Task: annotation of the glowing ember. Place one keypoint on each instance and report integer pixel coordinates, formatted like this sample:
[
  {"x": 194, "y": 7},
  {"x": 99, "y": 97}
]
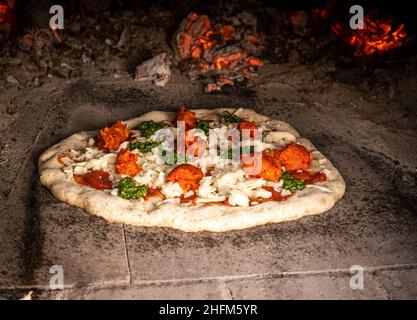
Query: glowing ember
[
  {"x": 5, "y": 13},
  {"x": 5, "y": 19},
  {"x": 226, "y": 50},
  {"x": 377, "y": 37}
]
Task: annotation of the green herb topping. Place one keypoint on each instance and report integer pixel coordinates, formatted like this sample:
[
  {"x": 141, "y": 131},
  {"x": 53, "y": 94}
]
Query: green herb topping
[
  {"x": 148, "y": 128},
  {"x": 204, "y": 126},
  {"x": 230, "y": 117},
  {"x": 129, "y": 190},
  {"x": 292, "y": 184},
  {"x": 174, "y": 157},
  {"x": 144, "y": 147}
]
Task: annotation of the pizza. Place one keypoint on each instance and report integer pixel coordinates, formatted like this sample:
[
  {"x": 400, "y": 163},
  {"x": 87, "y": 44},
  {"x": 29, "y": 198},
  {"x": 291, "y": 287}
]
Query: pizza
[{"x": 194, "y": 170}]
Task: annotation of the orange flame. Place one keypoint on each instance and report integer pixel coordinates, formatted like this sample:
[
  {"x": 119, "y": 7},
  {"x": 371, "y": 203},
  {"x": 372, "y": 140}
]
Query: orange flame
[{"x": 377, "y": 37}]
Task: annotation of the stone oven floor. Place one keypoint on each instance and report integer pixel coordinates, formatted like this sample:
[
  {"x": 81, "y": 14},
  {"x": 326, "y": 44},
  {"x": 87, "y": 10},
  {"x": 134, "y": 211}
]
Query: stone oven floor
[{"x": 368, "y": 132}]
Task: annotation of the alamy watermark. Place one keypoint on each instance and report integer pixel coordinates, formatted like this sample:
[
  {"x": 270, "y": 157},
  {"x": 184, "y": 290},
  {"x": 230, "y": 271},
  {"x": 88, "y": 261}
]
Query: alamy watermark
[
  {"x": 357, "y": 280},
  {"x": 57, "y": 20},
  {"x": 57, "y": 280},
  {"x": 356, "y": 21}
]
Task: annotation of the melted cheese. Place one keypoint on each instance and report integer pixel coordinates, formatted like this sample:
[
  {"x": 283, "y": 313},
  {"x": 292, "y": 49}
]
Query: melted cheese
[
  {"x": 171, "y": 190},
  {"x": 238, "y": 198},
  {"x": 227, "y": 180}
]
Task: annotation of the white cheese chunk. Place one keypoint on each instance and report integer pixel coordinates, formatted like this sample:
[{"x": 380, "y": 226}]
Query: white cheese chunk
[
  {"x": 123, "y": 145},
  {"x": 262, "y": 193},
  {"x": 188, "y": 194},
  {"x": 238, "y": 198},
  {"x": 225, "y": 180},
  {"x": 251, "y": 184},
  {"x": 172, "y": 190},
  {"x": 276, "y": 185},
  {"x": 80, "y": 170},
  {"x": 285, "y": 192},
  {"x": 152, "y": 178},
  {"x": 206, "y": 189}
]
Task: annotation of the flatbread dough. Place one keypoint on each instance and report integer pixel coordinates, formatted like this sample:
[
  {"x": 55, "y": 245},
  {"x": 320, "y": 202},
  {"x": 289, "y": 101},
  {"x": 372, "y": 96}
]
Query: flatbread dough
[{"x": 314, "y": 199}]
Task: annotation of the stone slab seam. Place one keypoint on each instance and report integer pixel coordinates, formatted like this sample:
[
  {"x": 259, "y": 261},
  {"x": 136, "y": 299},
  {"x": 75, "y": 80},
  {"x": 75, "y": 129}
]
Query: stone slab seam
[
  {"x": 127, "y": 254},
  {"x": 223, "y": 280}
]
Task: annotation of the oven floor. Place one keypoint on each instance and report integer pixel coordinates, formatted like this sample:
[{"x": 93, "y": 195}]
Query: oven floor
[{"x": 369, "y": 133}]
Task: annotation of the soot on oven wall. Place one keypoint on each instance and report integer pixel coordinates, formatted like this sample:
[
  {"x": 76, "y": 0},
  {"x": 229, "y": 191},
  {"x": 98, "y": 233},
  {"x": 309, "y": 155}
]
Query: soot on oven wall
[{"x": 220, "y": 44}]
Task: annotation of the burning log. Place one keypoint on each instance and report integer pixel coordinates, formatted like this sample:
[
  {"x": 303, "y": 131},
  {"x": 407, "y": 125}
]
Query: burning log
[{"x": 225, "y": 52}]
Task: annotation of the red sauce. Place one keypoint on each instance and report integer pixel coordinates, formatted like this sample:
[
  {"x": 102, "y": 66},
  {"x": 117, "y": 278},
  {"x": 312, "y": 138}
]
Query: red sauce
[
  {"x": 60, "y": 157},
  {"x": 217, "y": 203},
  {"x": 190, "y": 199},
  {"x": 97, "y": 179},
  {"x": 309, "y": 177},
  {"x": 154, "y": 192},
  {"x": 276, "y": 196}
]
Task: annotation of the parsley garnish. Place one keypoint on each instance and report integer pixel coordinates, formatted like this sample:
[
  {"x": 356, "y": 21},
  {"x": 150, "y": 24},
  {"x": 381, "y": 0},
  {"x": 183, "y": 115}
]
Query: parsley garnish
[
  {"x": 144, "y": 147},
  {"x": 204, "y": 126},
  {"x": 148, "y": 128},
  {"x": 129, "y": 190},
  {"x": 174, "y": 157},
  {"x": 230, "y": 117},
  {"x": 290, "y": 183}
]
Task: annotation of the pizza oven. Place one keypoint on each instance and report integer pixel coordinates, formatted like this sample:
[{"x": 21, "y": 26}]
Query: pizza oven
[{"x": 342, "y": 73}]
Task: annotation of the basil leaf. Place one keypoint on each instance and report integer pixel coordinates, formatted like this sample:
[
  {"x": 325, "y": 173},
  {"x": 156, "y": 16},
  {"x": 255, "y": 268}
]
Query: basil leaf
[
  {"x": 145, "y": 146},
  {"x": 148, "y": 128},
  {"x": 290, "y": 183},
  {"x": 230, "y": 117},
  {"x": 204, "y": 126},
  {"x": 129, "y": 190}
]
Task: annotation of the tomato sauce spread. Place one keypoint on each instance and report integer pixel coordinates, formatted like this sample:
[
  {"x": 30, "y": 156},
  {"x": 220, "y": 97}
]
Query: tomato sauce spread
[
  {"x": 97, "y": 179},
  {"x": 154, "y": 192},
  {"x": 309, "y": 177},
  {"x": 60, "y": 157},
  {"x": 190, "y": 199},
  {"x": 276, "y": 196}
]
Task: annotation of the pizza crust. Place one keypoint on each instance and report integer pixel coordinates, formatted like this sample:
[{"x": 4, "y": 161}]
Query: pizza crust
[{"x": 314, "y": 199}]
